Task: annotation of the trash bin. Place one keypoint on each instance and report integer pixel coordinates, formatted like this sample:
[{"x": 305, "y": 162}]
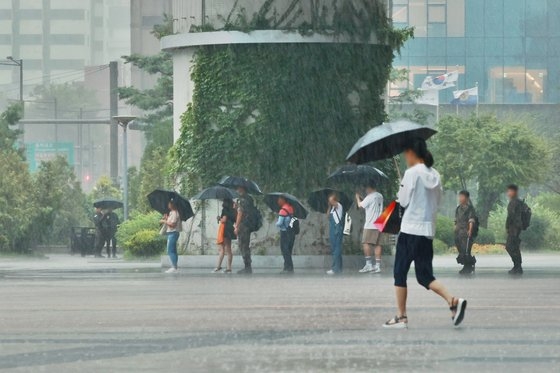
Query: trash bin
[{"x": 82, "y": 241}]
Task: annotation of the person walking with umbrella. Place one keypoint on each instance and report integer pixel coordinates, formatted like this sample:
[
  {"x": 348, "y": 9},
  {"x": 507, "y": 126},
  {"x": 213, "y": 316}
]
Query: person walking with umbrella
[
  {"x": 174, "y": 226},
  {"x": 245, "y": 207},
  {"x": 100, "y": 234},
  {"x": 287, "y": 234},
  {"x": 336, "y": 232},
  {"x": 226, "y": 221},
  {"x": 371, "y": 238},
  {"x": 420, "y": 194}
]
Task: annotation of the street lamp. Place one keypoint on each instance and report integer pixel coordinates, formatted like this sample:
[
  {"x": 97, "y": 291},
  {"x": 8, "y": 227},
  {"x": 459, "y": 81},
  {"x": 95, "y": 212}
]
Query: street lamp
[
  {"x": 19, "y": 63},
  {"x": 123, "y": 121}
]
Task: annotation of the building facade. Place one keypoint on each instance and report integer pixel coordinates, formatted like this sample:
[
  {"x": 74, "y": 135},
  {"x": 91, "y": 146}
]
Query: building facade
[{"x": 511, "y": 48}]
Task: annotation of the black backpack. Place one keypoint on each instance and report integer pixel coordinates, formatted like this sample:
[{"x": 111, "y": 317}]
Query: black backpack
[{"x": 526, "y": 215}]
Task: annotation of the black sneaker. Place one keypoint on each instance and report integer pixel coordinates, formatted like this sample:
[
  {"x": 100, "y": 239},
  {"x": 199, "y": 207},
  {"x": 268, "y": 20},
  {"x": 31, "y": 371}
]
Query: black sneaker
[
  {"x": 467, "y": 270},
  {"x": 245, "y": 271}
]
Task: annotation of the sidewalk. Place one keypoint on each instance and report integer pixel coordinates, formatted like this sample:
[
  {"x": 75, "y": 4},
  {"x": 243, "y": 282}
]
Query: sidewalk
[{"x": 63, "y": 262}]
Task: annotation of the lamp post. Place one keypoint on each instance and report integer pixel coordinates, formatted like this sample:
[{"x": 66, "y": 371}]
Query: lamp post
[{"x": 123, "y": 121}]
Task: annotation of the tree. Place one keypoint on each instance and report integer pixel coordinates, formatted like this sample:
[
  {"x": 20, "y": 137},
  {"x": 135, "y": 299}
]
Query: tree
[
  {"x": 63, "y": 101},
  {"x": 60, "y": 202},
  {"x": 490, "y": 153},
  {"x": 105, "y": 189},
  {"x": 553, "y": 182}
]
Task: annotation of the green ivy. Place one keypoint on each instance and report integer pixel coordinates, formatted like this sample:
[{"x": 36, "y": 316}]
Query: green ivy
[{"x": 284, "y": 114}]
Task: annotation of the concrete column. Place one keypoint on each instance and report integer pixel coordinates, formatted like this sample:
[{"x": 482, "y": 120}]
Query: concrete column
[{"x": 182, "y": 86}]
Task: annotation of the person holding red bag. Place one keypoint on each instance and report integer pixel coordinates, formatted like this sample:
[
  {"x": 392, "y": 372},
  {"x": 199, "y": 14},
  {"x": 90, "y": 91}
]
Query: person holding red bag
[{"x": 420, "y": 195}]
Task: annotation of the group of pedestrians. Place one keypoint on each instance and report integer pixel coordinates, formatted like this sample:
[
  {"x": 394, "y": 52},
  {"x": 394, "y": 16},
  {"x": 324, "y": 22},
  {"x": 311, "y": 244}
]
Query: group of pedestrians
[{"x": 106, "y": 223}]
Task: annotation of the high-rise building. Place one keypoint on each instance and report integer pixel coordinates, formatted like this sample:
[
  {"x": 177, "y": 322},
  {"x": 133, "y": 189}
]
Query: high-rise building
[{"x": 511, "y": 48}]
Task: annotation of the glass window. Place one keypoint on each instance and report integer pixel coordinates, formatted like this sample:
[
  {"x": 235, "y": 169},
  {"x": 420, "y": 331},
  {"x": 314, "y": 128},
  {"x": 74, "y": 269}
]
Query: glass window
[
  {"x": 400, "y": 11},
  {"x": 475, "y": 47},
  {"x": 417, "y": 47},
  {"x": 455, "y": 46},
  {"x": 437, "y": 46},
  {"x": 554, "y": 47},
  {"x": 536, "y": 17},
  {"x": 514, "y": 18},
  {"x": 493, "y": 18},
  {"x": 456, "y": 18},
  {"x": 536, "y": 46},
  {"x": 494, "y": 47},
  {"x": 475, "y": 17},
  {"x": 437, "y": 14},
  {"x": 513, "y": 47}
]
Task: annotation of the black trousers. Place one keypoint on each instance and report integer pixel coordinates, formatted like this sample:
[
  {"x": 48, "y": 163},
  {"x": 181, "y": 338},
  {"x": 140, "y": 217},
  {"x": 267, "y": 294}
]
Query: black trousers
[
  {"x": 287, "y": 240},
  {"x": 111, "y": 242},
  {"x": 513, "y": 247}
]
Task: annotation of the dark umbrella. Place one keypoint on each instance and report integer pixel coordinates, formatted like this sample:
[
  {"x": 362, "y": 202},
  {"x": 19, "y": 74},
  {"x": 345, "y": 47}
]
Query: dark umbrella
[
  {"x": 318, "y": 200},
  {"x": 358, "y": 174},
  {"x": 271, "y": 200},
  {"x": 387, "y": 140},
  {"x": 216, "y": 192},
  {"x": 234, "y": 182},
  {"x": 159, "y": 199},
  {"x": 108, "y": 203}
]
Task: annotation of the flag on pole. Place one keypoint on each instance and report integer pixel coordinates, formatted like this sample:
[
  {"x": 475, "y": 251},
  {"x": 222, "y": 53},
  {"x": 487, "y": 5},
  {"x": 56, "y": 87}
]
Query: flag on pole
[
  {"x": 441, "y": 81},
  {"x": 428, "y": 97},
  {"x": 467, "y": 97}
]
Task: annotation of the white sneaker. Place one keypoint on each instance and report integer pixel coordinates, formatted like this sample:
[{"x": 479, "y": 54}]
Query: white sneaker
[
  {"x": 330, "y": 272},
  {"x": 376, "y": 269},
  {"x": 367, "y": 268},
  {"x": 172, "y": 270}
]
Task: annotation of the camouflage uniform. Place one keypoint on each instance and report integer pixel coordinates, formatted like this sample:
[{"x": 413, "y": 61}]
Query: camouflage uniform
[
  {"x": 245, "y": 205},
  {"x": 514, "y": 226},
  {"x": 464, "y": 215}
]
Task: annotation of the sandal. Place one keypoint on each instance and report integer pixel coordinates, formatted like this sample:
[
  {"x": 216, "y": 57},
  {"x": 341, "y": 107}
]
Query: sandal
[
  {"x": 397, "y": 323},
  {"x": 458, "y": 308}
]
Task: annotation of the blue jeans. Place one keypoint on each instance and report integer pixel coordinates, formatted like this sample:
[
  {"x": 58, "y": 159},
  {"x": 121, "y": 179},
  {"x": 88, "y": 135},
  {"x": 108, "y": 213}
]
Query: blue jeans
[
  {"x": 172, "y": 239},
  {"x": 336, "y": 235}
]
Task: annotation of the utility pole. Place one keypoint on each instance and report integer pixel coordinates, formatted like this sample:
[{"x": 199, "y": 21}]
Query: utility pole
[{"x": 114, "y": 111}]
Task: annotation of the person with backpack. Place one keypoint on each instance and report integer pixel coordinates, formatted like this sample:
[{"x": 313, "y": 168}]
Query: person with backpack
[
  {"x": 466, "y": 229},
  {"x": 247, "y": 222},
  {"x": 287, "y": 233},
  {"x": 518, "y": 219},
  {"x": 336, "y": 216}
]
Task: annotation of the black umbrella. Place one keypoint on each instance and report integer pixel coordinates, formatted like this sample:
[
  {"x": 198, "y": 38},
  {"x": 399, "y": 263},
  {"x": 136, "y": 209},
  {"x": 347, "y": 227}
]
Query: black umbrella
[
  {"x": 271, "y": 200},
  {"x": 216, "y": 192},
  {"x": 318, "y": 200},
  {"x": 358, "y": 174},
  {"x": 387, "y": 140},
  {"x": 234, "y": 182},
  {"x": 159, "y": 199},
  {"x": 108, "y": 203}
]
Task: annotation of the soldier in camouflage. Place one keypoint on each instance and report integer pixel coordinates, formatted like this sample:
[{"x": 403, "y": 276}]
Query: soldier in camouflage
[
  {"x": 465, "y": 220},
  {"x": 514, "y": 226}
]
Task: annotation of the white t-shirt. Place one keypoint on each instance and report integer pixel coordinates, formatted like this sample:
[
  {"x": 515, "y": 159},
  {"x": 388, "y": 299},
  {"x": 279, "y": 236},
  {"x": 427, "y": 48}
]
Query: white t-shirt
[
  {"x": 373, "y": 206},
  {"x": 174, "y": 218},
  {"x": 337, "y": 212},
  {"x": 420, "y": 194}
]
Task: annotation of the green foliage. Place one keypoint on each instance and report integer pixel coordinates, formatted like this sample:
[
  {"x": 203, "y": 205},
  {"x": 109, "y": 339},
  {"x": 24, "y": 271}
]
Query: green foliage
[
  {"x": 9, "y": 136},
  {"x": 59, "y": 200},
  {"x": 445, "y": 231},
  {"x": 61, "y": 101},
  {"x": 485, "y": 237},
  {"x": 441, "y": 248},
  {"x": 144, "y": 244},
  {"x": 105, "y": 189},
  {"x": 153, "y": 174},
  {"x": 491, "y": 153},
  {"x": 140, "y": 222}
]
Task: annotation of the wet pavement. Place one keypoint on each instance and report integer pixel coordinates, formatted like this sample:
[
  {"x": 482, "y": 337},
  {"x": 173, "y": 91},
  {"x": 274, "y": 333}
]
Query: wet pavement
[{"x": 95, "y": 316}]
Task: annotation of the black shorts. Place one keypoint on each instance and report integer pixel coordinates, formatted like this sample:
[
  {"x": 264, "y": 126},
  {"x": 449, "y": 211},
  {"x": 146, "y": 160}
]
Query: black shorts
[{"x": 417, "y": 249}]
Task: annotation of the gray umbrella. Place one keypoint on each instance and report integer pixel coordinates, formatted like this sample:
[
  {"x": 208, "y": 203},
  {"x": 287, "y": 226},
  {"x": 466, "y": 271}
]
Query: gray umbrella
[{"x": 387, "y": 140}]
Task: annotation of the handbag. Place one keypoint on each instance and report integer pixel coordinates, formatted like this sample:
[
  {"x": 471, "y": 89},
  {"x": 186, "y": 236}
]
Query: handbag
[
  {"x": 163, "y": 230},
  {"x": 347, "y": 225},
  {"x": 221, "y": 233},
  {"x": 390, "y": 219}
]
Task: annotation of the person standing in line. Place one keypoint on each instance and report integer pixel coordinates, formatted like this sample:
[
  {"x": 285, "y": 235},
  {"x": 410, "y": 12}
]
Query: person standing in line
[
  {"x": 371, "y": 238},
  {"x": 336, "y": 233},
  {"x": 514, "y": 226},
  {"x": 420, "y": 195},
  {"x": 110, "y": 226},
  {"x": 245, "y": 207},
  {"x": 100, "y": 237},
  {"x": 465, "y": 220},
  {"x": 174, "y": 228},
  {"x": 227, "y": 219},
  {"x": 287, "y": 236}
]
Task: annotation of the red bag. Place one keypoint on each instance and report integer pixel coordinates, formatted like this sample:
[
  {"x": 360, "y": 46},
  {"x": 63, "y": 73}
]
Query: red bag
[
  {"x": 390, "y": 220},
  {"x": 221, "y": 232}
]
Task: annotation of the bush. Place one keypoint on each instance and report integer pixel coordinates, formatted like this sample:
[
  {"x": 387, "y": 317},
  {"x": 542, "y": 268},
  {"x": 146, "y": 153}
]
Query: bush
[
  {"x": 445, "y": 231},
  {"x": 145, "y": 243},
  {"x": 141, "y": 222},
  {"x": 440, "y": 247},
  {"x": 485, "y": 237}
]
